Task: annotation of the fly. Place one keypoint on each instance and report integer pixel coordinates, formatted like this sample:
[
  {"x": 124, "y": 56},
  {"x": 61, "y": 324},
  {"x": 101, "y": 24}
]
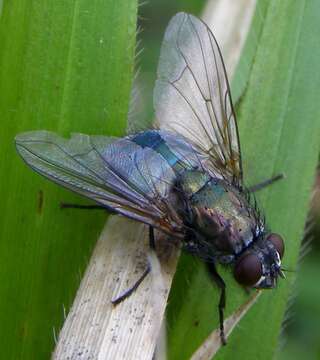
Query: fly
[{"x": 185, "y": 178}]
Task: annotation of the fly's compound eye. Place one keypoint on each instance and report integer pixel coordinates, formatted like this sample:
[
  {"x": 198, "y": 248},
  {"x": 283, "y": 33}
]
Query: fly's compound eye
[
  {"x": 248, "y": 270},
  {"x": 277, "y": 242}
]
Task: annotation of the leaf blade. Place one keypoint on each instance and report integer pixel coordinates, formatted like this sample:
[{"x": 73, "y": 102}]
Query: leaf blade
[{"x": 54, "y": 77}]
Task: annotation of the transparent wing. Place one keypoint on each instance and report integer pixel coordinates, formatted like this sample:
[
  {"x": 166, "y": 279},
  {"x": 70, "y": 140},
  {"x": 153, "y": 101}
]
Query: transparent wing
[
  {"x": 116, "y": 173},
  {"x": 192, "y": 95}
]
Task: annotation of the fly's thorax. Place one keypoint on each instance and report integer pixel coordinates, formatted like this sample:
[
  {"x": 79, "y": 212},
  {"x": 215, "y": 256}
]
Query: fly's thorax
[{"x": 220, "y": 214}]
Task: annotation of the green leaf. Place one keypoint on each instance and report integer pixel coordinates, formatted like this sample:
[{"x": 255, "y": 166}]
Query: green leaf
[
  {"x": 64, "y": 66},
  {"x": 278, "y": 115}
]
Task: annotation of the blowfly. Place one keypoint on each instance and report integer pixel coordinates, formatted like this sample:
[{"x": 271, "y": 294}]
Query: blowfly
[{"x": 184, "y": 178}]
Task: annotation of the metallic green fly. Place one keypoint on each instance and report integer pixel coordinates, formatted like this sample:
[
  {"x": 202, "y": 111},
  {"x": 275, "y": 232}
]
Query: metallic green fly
[{"x": 185, "y": 178}]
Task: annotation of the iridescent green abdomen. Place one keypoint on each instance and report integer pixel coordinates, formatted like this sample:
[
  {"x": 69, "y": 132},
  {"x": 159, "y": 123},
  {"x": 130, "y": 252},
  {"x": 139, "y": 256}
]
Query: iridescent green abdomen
[{"x": 221, "y": 213}]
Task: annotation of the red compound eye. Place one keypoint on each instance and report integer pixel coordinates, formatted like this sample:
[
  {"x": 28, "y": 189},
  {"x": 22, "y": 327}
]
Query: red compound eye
[
  {"x": 277, "y": 242},
  {"x": 248, "y": 270}
]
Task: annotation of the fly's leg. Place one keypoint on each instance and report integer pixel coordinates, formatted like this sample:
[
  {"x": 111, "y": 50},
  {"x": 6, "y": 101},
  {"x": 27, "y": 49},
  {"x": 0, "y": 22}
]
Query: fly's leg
[
  {"x": 86, "y": 207},
  {"x": 77, "y": 206},
  {"x": 266, "y": 183},
  {"x": 152, "y": 243},
  {"x": 222, "y": 302},
  {"x": 133, "y": 288}
]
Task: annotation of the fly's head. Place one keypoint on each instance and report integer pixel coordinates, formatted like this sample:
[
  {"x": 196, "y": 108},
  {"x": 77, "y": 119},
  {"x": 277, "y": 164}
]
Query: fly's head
[{"x": 260, "y": 265}]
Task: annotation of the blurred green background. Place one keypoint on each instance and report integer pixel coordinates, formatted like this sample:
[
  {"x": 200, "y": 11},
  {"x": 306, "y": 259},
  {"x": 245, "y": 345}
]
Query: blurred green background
[{"x": 301, "y": 328}]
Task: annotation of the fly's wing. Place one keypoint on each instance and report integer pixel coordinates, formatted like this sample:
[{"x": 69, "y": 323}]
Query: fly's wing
[
  {"x": 116, "y": 173},
  {"x": 192, "y": 95}
]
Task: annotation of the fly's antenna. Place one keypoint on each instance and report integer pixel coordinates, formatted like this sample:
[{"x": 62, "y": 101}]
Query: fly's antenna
[{"x": 287, "y": 270}]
